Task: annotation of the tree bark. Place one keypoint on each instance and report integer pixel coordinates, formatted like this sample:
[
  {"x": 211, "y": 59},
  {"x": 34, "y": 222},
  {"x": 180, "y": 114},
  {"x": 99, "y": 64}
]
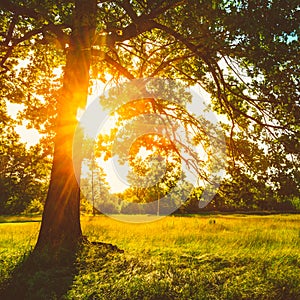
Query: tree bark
[{"x": 60, "y": 226}]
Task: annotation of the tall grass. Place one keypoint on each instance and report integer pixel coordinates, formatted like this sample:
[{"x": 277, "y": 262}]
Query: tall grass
[
  {"x": 199, "y": 257},
  {"x": 218, "y": 234},
  {"x": 16, "y": 240}
]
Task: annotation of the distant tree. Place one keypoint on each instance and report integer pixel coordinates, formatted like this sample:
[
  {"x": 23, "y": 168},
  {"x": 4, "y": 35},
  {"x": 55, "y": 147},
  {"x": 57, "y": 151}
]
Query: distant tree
[
  {"x": 96, "y": 189},
  {"x": 153, "y": 175},
  {"x": 24, "y": 172}
]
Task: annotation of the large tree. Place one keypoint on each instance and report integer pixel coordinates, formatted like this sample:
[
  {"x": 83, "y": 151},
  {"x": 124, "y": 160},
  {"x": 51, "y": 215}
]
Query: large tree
[
  {"x": 245, "y": 53},
  {"x": 60, "y": 225}
]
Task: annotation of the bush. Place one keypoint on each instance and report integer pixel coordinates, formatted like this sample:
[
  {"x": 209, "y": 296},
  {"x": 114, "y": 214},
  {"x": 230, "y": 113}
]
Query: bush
[{"x": 35, "y": 207}]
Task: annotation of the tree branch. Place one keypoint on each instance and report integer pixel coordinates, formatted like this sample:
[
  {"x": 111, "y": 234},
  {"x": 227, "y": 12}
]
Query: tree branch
[
  {"x": 194, "y": 48},
  {"x": 166, "y": 63},
  {"x": 218, "y": 77},
  {"x": 129, "y": 10},
  {"x": 20, "y": 10},
  {"x": 112, "y": 62},
  {"x": 10, "y": 30},
  {"x": 26, "y": 36}
]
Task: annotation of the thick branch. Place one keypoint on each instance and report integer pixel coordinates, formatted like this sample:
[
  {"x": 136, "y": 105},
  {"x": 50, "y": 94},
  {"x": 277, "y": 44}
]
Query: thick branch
[
  {"x": 129, "y": 10},
  {"x": 112, "y": 62},
  {"x": 11, "y": 30}
]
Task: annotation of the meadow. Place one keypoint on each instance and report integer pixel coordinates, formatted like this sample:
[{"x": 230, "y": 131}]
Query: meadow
[{"x": 178, "y": 257}]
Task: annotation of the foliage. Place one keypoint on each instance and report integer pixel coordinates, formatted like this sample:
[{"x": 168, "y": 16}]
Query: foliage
[
  {"x": 95, "y": 189},
  {"x": 24, "y": 178},
  {"x": 254, "y": 82},
  {"x": 244, "y": 53},
  {"x": 24, "y": 173},
  {"x": 34, "y": 207}
]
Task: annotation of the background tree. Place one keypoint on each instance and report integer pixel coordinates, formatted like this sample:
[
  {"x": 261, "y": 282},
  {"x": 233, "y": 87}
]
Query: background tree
[
  {"x": 152, "y": 176},
  {"x": 24, "y": 172},
  {"x": 96, "y": 189}
]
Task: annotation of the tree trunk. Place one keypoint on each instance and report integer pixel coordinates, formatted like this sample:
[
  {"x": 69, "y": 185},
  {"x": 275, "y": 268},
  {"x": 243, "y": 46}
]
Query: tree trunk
[{"x": 60, "y": 226}]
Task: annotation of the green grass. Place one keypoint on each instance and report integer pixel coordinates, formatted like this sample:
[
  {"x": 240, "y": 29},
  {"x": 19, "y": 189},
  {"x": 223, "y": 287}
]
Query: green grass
[{"x": 200, "y": 257}]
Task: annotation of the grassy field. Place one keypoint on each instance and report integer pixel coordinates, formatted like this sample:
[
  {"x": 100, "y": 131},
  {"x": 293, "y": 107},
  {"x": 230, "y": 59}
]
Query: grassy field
[{"x": 200, "y": 257}]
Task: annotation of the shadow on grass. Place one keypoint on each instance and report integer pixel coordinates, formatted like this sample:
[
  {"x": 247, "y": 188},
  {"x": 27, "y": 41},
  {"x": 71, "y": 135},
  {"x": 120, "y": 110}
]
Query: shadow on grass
[
  {"x": 36, "y": 277},
  {"x": 40, "y": 276}
]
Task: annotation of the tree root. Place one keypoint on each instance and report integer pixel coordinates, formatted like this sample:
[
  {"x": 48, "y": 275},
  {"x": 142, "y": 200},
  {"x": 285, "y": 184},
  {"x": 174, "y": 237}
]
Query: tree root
[{"x": 107, "y": 246}]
